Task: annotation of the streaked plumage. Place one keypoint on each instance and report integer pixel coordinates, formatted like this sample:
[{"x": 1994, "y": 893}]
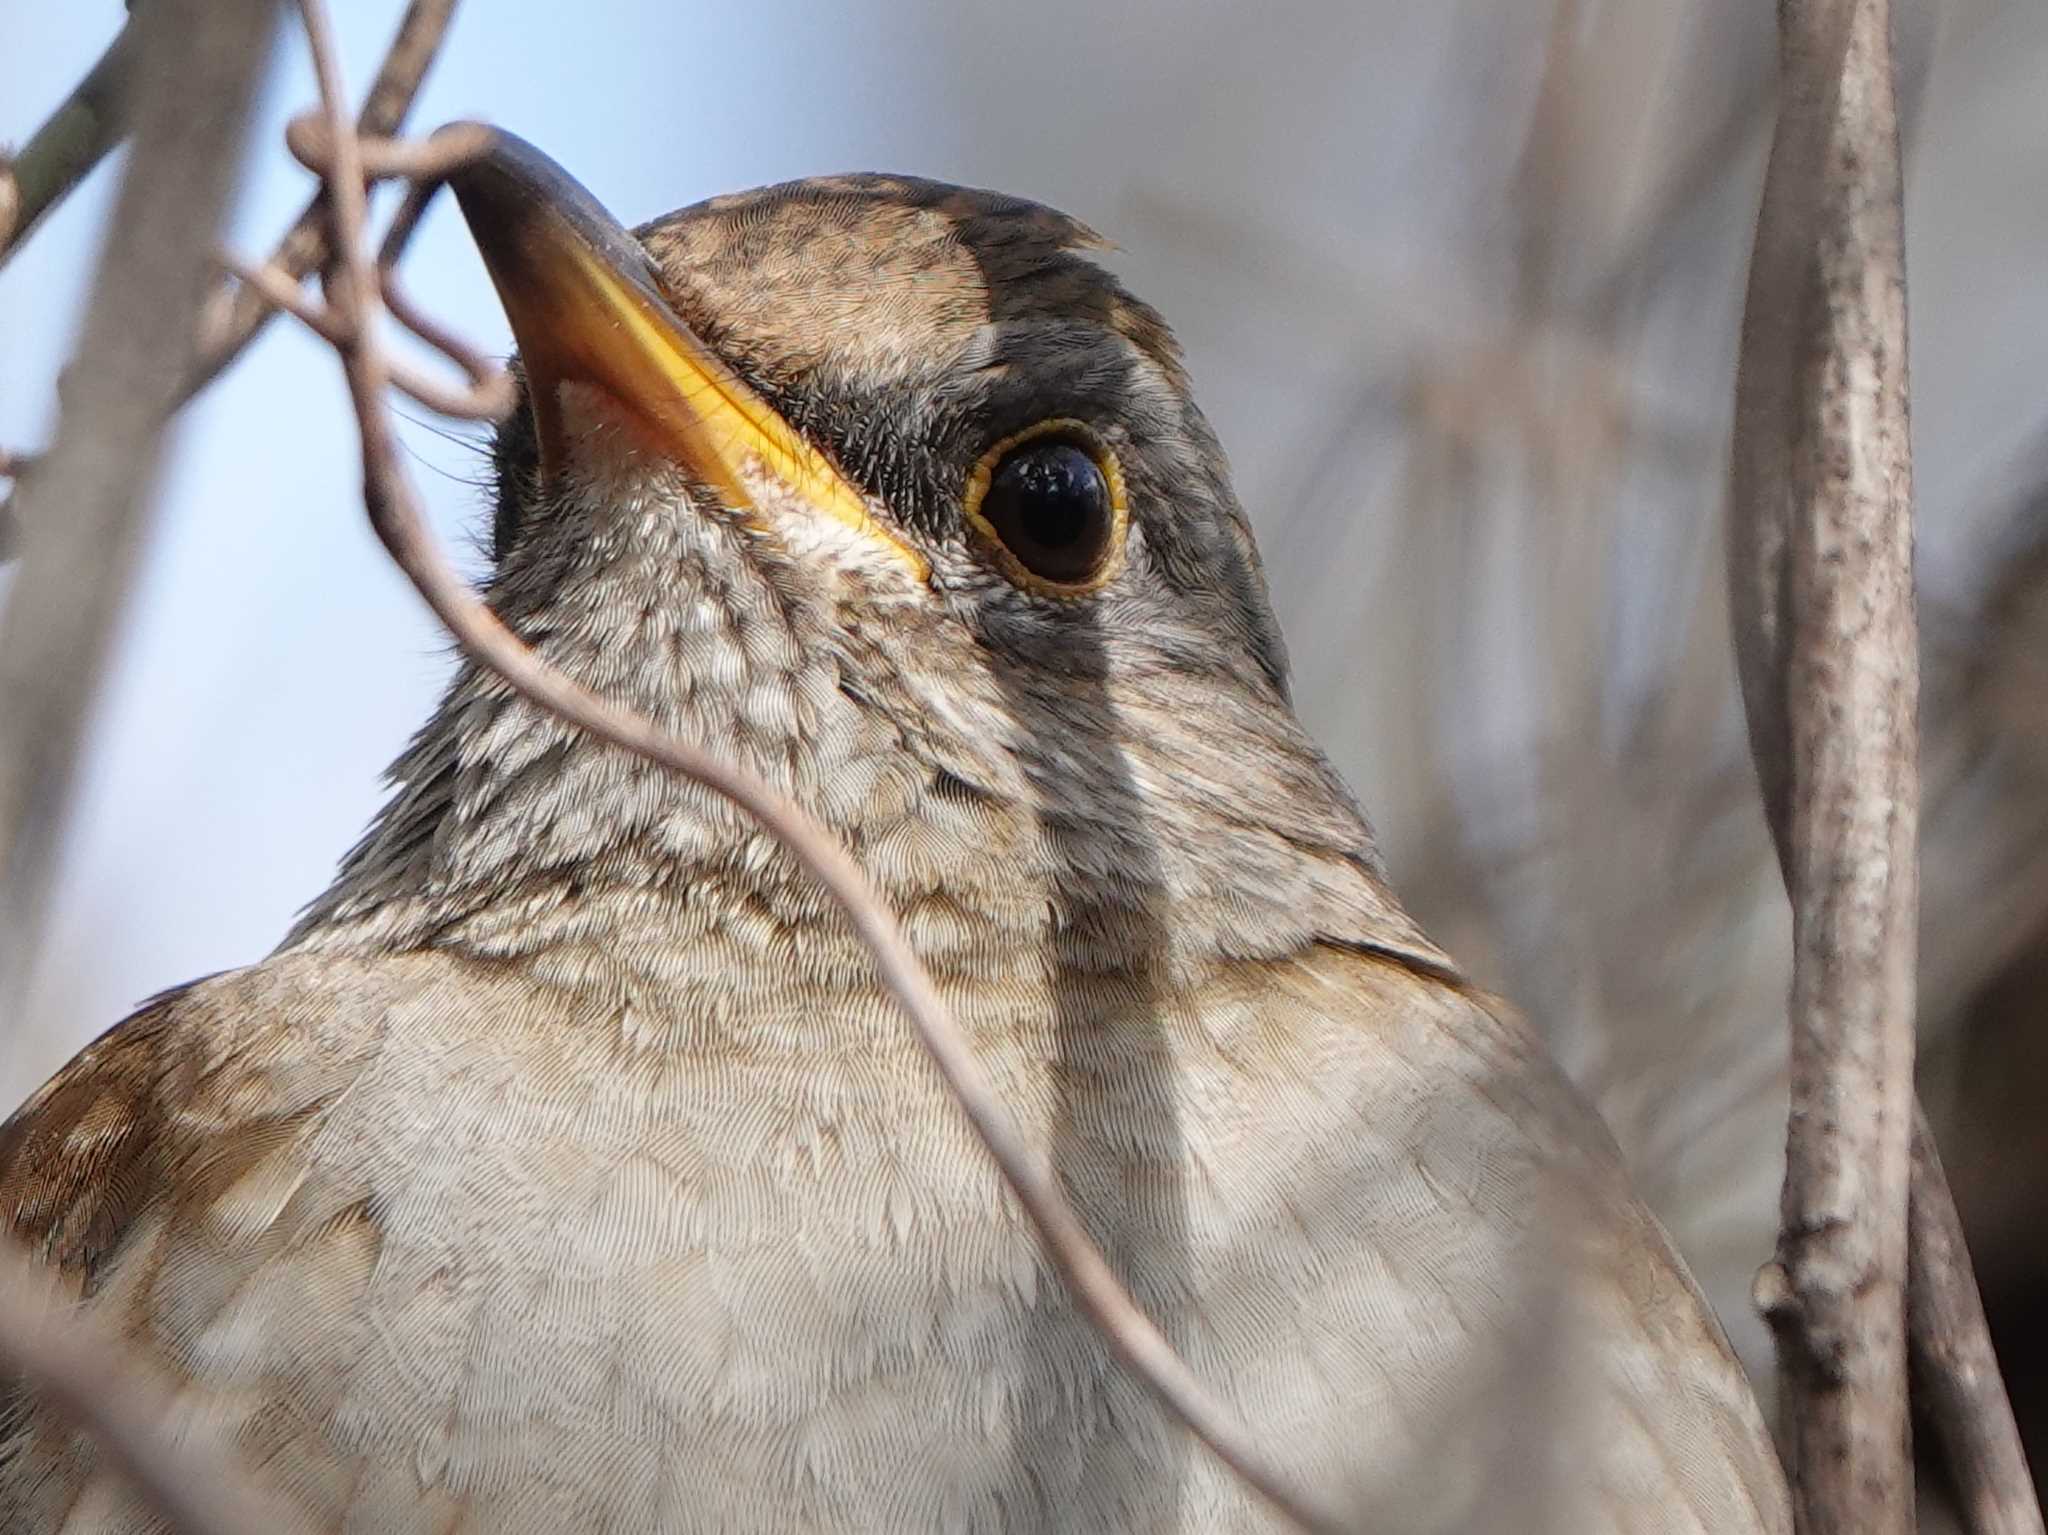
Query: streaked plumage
[{"x": 568, "y": 1169}]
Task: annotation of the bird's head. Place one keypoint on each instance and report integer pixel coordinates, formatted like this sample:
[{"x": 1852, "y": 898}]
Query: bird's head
[
  {"x": 886, "y": 488},
  {"x": 919, "y": 393}
]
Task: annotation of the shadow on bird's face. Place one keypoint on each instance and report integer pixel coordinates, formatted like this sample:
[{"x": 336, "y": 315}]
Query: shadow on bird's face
[{"x": 888, "y": 396}]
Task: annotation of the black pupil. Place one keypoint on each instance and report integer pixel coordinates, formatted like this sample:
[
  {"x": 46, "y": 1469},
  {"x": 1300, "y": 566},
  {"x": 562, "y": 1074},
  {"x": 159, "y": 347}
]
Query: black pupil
[{"x": 1050, "y": 505}]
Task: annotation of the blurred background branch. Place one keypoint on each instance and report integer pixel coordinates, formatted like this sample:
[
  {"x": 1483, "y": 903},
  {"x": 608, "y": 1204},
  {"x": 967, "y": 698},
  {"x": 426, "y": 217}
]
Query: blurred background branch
[
  {"x": 64, "y": 150},
  {"x": 81, "y": 516},
  {"x": 195, "y": 66},
  {"x": 159, "y": 1435}
]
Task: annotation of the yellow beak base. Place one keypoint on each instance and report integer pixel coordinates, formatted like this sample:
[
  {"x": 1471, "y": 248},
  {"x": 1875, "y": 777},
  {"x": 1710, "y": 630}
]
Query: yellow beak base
[{"x": 585, "y": 307}]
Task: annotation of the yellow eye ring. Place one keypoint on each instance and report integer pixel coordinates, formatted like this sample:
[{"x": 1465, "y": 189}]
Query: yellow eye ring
[{"x": 1047, "y": 506}]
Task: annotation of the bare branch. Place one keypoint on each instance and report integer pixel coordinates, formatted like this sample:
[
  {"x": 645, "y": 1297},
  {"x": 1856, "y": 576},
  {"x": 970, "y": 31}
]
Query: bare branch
[
  {"x": 355, "y": 292},
  {"x": 1821, "y": 584},
  {"x": 1953, "y": 1362},
  {"x": 432, "y": 158},
  {"x": 63, "y": 152},
  {"x": 81, "y": 514},
  {"x": 282, "y": 291},
  {"x": 233, "y": 318},
  {"x": 87, "y": 1370},
  {"x": 204, "y": 58},
  {"x": 1821, "y": 579},
  {"x": 490, "y": 393}
]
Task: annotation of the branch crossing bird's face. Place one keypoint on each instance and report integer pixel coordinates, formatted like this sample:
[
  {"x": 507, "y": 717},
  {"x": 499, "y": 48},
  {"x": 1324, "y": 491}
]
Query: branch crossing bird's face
[
  {"x": 886, "y": 490},
  {"x": 923, "y": 388}
]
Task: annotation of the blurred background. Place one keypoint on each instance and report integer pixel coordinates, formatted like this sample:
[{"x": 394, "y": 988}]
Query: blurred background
[{"x": 1460, "y": 286}]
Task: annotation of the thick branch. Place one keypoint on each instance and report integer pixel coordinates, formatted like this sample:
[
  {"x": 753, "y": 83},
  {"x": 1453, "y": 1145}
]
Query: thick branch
[
  {"x": 81, "y": 514},
  {"x": 1820, "y": 579},
  {"x": 1820, "y": 582}
]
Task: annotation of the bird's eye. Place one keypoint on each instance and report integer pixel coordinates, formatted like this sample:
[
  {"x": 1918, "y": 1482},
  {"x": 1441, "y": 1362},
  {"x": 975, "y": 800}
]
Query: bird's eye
[{"x": 1048, "y": 504}]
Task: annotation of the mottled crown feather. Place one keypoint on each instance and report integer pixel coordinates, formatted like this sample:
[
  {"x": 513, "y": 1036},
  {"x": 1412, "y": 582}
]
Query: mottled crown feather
[{"x": 880, "y": 275}]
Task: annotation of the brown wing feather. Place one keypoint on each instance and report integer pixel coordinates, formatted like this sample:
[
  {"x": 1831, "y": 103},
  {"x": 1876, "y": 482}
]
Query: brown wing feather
[
  {"x": 88, "y": 1147},
  {"x": 137, "y": 1171}
]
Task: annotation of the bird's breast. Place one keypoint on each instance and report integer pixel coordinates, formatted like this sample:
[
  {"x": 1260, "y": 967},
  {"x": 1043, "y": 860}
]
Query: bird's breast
[{"x": 514, "y": 1258}]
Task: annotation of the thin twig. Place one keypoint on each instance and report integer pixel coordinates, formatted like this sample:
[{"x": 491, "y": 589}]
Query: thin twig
[
  {"x": 1953, "y": 1363},
  {"x": 394, "y": 513},
  {"x": 1821, "y": 584},
  {"x": 280, "y": 289},
  {"x": 490, "y": 393},
  {"x": 74, "y": 139},
  {"x": 431, "y": 159},
  {"x": 234, "y": 316},
  {"x": 82, "y": 1365},
  {"x": 491, "y": 386}
]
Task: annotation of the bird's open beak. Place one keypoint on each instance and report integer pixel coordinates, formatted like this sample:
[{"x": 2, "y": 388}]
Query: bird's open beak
[{"x": 586, "y": 308}]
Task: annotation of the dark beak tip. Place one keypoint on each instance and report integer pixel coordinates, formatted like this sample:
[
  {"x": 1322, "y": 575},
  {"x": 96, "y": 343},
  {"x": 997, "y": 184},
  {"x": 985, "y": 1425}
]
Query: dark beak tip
[
  {"x": 512, "y": 190},
  {"x": 499, "y": 188}
]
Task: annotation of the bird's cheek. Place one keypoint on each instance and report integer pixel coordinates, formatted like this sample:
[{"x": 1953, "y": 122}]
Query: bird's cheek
[
  {"x": 616, "y": 464},
  {"x": 609, "y": 452},
  {"x": 848, "y": 558}
]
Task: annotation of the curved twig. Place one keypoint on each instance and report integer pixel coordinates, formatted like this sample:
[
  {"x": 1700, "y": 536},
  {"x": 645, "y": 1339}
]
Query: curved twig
[
  {"x": 394, "y": 513},
  {"x": 233, "y": 316},
  {"x": 431, "y": 159},
  {"x": 490, "y": 393}
]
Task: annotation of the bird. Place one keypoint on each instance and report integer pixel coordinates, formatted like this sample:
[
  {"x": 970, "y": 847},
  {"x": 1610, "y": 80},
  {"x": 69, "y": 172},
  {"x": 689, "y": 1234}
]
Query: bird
[{"x": 568, "y": 1168}]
